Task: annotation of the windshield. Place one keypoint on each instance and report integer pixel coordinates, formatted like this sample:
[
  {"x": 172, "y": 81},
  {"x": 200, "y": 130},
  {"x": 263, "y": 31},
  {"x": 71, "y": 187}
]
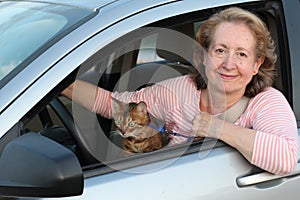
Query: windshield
[{"x": 26, "y": 29}]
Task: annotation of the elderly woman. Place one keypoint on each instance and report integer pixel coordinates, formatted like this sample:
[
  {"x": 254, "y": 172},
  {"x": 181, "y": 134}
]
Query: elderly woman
[{"x": 238, "y": 61}]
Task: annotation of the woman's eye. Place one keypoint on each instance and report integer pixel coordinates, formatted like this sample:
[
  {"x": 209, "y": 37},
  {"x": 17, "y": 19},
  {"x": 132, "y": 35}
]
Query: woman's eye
[
  {"x": 242, "y": 54},
  {"x": 219, "y": 51},
  {"x": 131, "y": 124}
]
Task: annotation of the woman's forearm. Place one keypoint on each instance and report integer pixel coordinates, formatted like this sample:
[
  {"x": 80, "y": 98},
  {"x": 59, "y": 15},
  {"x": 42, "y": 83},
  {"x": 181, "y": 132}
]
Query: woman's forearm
[
  {"x": 269, "y": 151},
  {"x": 273, "y": 152},
  {"x": 82, "y": 93},
  {"x": 240, "y": 138}
]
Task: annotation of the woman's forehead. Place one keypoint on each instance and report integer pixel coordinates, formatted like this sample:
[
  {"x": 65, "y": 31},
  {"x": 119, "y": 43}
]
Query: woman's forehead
[{"x": 234, "y": 35}]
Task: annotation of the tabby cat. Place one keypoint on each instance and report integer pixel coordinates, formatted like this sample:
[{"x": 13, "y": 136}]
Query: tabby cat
[{"x": 137, "y": 127}]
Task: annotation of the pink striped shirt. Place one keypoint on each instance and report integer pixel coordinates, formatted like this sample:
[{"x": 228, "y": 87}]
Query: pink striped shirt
[{"x": 176, "y": 101}]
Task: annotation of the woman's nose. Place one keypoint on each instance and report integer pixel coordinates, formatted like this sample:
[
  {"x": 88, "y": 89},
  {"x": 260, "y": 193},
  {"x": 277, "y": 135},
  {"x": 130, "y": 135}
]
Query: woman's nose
[{"x": 229, "y": 62}]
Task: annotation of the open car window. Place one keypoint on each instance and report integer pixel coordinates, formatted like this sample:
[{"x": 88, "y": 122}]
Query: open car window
[{"x": 138, "y": 62}]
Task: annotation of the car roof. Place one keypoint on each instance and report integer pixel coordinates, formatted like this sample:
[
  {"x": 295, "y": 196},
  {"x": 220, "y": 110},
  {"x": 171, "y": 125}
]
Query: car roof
[{"x": 84, "y": 4}]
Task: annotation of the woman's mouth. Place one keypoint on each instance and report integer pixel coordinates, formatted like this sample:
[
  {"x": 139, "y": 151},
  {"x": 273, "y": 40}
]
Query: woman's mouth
[{"x": 227, "y": 76}]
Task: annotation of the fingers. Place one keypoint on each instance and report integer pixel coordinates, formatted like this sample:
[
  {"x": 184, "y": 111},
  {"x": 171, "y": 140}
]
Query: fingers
[
  {"x": 206, "y": 125},
  {"x": 201, "y": 124}
]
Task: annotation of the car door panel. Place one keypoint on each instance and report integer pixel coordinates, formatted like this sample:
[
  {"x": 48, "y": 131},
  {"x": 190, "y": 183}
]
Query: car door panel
[{"x": 192, "y": 177}]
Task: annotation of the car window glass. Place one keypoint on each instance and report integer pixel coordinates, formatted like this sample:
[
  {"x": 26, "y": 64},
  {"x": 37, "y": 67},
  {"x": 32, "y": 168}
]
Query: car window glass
[
  {"x": 30, "y": 28},
  {"x": 20, "y": 29}
]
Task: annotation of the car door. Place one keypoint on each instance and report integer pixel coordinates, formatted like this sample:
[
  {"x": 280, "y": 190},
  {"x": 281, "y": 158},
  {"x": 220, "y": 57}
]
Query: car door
[{"x": 206, "y": 169}]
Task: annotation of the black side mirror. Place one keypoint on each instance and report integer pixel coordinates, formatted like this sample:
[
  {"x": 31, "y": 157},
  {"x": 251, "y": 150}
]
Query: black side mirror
[{"x": 35, "y": 166}]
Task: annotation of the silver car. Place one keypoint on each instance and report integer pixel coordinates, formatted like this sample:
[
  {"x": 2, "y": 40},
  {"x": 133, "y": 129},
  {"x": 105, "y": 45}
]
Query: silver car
[{"x": 53, "y": 148}]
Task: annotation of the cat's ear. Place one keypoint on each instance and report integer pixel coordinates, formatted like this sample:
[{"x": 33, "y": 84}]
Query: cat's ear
[
  {"x": 142, "y": 107},
  {"x": 117, "y": 105}
]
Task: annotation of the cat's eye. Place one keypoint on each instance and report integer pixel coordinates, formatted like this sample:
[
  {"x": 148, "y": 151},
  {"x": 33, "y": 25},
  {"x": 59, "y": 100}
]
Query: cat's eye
[
  {"x": 118, "y": 122},
  {"x": 131, "y": 124}
]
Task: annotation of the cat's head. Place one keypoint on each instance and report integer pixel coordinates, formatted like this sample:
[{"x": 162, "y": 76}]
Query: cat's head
[{"x": 131, "y": 119}]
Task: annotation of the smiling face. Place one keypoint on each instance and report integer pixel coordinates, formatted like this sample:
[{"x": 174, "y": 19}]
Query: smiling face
[{"x": 231, "y": 61}]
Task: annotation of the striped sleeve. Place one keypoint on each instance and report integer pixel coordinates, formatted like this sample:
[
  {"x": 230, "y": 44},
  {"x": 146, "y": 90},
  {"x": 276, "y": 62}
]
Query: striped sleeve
[
  {"x": 159, "y": 98},
  {"x": 276, "y": 141},
  {"x": 102, "y": 103}
]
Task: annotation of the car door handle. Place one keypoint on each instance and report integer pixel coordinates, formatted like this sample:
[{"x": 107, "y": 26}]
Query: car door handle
[{"x": 264, "y": 177}]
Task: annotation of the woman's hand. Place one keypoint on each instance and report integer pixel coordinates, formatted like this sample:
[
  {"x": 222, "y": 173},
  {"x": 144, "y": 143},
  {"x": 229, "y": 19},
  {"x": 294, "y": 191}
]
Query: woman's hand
[
  {"x": 82, "y": 93},
  {"x": 68, "y": 91},
  {"x": 207, "y": 125}
]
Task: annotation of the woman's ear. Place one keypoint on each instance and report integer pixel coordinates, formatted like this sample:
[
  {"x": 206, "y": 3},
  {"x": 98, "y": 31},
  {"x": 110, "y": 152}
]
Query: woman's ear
[
  {"x": 205, "y": 55},
  {"x": 257, "y": 65}
]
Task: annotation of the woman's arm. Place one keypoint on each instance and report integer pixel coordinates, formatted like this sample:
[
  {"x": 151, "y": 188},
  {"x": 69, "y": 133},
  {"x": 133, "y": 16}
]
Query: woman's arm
[
  {"x": 206, "y": 125},
  {"x": 82, "y": 93},
  {"x": 243, "y": 142},
  {"x": 271, "y": 143},
  {"x": 272, "y": 151}
]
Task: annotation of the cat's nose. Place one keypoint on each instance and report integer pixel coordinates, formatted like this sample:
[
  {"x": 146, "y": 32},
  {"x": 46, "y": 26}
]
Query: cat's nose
[{"x": 123, "y": 131}]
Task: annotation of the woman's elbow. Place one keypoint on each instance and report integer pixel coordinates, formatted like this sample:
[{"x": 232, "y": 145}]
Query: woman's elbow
[{"x": 289, "y": 165}]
